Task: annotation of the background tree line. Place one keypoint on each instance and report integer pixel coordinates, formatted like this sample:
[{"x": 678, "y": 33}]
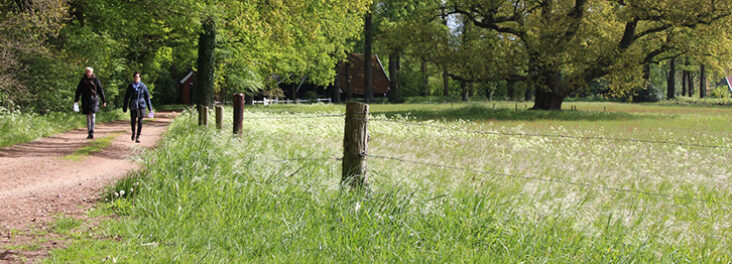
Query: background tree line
[{"x": 540, "y": 50}]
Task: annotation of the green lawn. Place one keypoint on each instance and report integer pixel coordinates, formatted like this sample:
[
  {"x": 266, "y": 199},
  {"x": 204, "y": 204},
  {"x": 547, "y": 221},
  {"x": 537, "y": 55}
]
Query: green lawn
[{"x": 209, "y": 197}]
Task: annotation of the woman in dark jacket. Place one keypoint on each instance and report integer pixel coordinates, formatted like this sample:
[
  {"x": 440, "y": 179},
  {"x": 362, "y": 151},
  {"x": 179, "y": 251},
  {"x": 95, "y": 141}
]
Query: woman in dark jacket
[
  {"x": 90, "y": 90},
  {"x": 137, "y": 98}
]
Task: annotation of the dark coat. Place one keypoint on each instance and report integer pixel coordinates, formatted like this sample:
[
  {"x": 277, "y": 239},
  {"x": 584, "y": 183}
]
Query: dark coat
[
  {"x": 137, "y": 100},
  {"x": 90, "y": 90}
]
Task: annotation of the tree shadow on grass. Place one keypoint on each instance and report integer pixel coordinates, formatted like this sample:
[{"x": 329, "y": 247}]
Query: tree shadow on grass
[{"x": 485, "y": 113}]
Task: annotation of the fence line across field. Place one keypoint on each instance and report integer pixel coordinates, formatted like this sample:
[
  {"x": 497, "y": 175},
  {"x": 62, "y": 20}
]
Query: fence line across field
[
  {"x": 355, "y": 149},
  {"x": 203, "y": 120},
  {"x": 503, "y": 133},
  {"x": 528, "y": 178}
]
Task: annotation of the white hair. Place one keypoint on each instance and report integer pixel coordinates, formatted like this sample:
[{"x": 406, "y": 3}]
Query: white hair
[{"x": 89, "y": 69}]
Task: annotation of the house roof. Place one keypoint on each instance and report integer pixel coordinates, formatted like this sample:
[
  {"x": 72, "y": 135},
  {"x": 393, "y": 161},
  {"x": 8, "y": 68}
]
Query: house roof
[
  {"x": 356, "y": 70},
  {"x": 188, "y": 76}
]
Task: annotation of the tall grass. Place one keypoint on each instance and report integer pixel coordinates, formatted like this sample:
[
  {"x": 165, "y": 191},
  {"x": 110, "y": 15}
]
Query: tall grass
[
  {"x": 17, "y": 127},
  {"x": 206, "y": 196}
]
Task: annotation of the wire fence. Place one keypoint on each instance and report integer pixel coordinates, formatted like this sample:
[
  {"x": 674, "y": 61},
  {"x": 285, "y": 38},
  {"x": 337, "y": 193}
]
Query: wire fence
[
  {"x": 524, "y": 134},
  {"x": 495, "y": 173},
  {"x": 522, "y": 177},
  {"x": 505, "y": 133}
]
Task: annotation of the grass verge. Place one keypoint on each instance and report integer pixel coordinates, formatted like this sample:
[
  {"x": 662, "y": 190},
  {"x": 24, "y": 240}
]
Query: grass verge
[{"x": 21, "y": 127}]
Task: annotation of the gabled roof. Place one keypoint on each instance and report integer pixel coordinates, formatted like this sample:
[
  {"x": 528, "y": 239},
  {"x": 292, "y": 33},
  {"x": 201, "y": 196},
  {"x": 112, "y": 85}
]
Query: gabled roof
[{"x": 188, "y": 76}]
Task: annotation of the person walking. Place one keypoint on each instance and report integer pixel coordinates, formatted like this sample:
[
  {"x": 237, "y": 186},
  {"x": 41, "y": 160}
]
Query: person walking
[
  {"x": 90, "y": 90},
  {"x": 137, "y": 98}
]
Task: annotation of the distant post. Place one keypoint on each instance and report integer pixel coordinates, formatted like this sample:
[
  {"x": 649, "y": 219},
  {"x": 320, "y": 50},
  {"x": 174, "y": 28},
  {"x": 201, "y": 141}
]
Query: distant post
[
  {"x": 238, "y": 113},
  {"x": 205, "y": 116},
  {"x": 355, "y": 145},
  {"x": 219, "y": 117},
  {"x": 200, "y": 115}
]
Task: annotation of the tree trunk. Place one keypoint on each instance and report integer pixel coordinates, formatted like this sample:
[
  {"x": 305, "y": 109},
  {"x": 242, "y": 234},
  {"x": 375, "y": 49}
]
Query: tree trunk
[
  {"x": 528, "y": 92},
  {"x": 509, "y": 89},
  {"x": 349, "y": 90},
  {"x": 671, "y": 82},
  {"x": 487, "y": 91},
  {"x": 471, "y": 89},
  {"x": 335, "y": 94},
  {"x": 394, "y": 77},
  {"x": 550, "y": 95},
  {"x": 368, "y": 74},
  {"x": 425, "y": 79},
  {"x": 684, "y": 82},
  {"x": 445, "y": 82},
  {"x": 702, "y": 82},
  {"x": 691, "y": 84},
  {"x": 206, "y": 63},
  {"x": 464, "y": 91}
]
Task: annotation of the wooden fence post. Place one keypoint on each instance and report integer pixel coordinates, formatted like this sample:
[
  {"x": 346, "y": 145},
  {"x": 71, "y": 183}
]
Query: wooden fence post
[
  {"x": 200, "y": 115},
  {"x": 355, "y": 145},
  {"x": 219, "y": 117},
  {"x": 205, "y": 116},
  {"x": 238, "y": 113}
]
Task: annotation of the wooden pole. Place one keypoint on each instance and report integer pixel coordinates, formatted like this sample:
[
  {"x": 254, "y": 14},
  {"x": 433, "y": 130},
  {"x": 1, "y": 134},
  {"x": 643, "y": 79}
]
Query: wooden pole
[
  {"x": 238, "y": 113},
  {"x": 355, "y": 145},
  {"x": 200, "y": 115},
  {"x": 205, "y": 116},
  {"x": 219, "y": 117}
]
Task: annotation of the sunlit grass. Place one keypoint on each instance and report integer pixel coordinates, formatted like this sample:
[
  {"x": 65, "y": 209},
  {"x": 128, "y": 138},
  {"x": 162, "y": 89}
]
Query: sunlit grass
[
  {"x": 207, "y": 196},
  {"x": 19, "y": 127},
  {"x": 95, "y": 146}
]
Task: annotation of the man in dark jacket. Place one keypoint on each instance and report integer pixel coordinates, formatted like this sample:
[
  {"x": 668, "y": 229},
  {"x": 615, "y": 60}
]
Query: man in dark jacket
[
  {"x": 90, "y": 90},
  {"x": 137, "y": 98}
]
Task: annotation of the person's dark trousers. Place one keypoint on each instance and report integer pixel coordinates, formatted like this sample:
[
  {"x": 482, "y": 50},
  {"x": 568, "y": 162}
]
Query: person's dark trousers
[{"x": 136, "y": 119}]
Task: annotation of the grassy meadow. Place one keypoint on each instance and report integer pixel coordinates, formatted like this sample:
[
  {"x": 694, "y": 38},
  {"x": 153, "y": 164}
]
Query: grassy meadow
[{"x": 273, "y": 195}]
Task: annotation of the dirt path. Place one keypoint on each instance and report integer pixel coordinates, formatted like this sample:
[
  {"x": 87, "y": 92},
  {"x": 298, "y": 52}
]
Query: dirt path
[{"x": 37, "y": 184}]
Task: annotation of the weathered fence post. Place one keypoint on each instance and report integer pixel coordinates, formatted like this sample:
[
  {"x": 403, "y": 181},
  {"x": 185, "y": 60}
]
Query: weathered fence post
[
  {"x": 204, "y": 118},
  {"x": 238, "y": 113},
  {"x": 219, "y": 117},
  {"x": 355, "y": 145}
]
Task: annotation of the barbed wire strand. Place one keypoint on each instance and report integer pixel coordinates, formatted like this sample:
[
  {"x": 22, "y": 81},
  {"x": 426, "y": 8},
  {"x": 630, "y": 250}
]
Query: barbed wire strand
[
  {"x": 295, "y": 117},
  {"x": 530, "y": 178},
  {"x": 501, "y": 133}
]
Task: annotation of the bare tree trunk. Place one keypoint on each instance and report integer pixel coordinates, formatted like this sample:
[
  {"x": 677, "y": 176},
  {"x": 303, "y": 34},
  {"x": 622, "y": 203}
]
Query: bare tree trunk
[
  {"x": 464, "y": 91},
  {"x": 206, "y": 63},
  {"x": 528, "y": 92},
  {"x": 702, "y": 82},
  {"x": 509, "y": 89},
  {"x": 394, "y": 66},
  {"x": 671, "y": 82},
  {"x": 349, "y": 89},
  {"x": 691, "y": 84},
  {"x": 368, "y": 74},
  {"x": 551, "y": 96},
  {"x": 425, "y": 79},
  {"x": 487, "y": 91},
  {"x": 684, "y": 82},
  {"x": 445, "y": 82}
]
